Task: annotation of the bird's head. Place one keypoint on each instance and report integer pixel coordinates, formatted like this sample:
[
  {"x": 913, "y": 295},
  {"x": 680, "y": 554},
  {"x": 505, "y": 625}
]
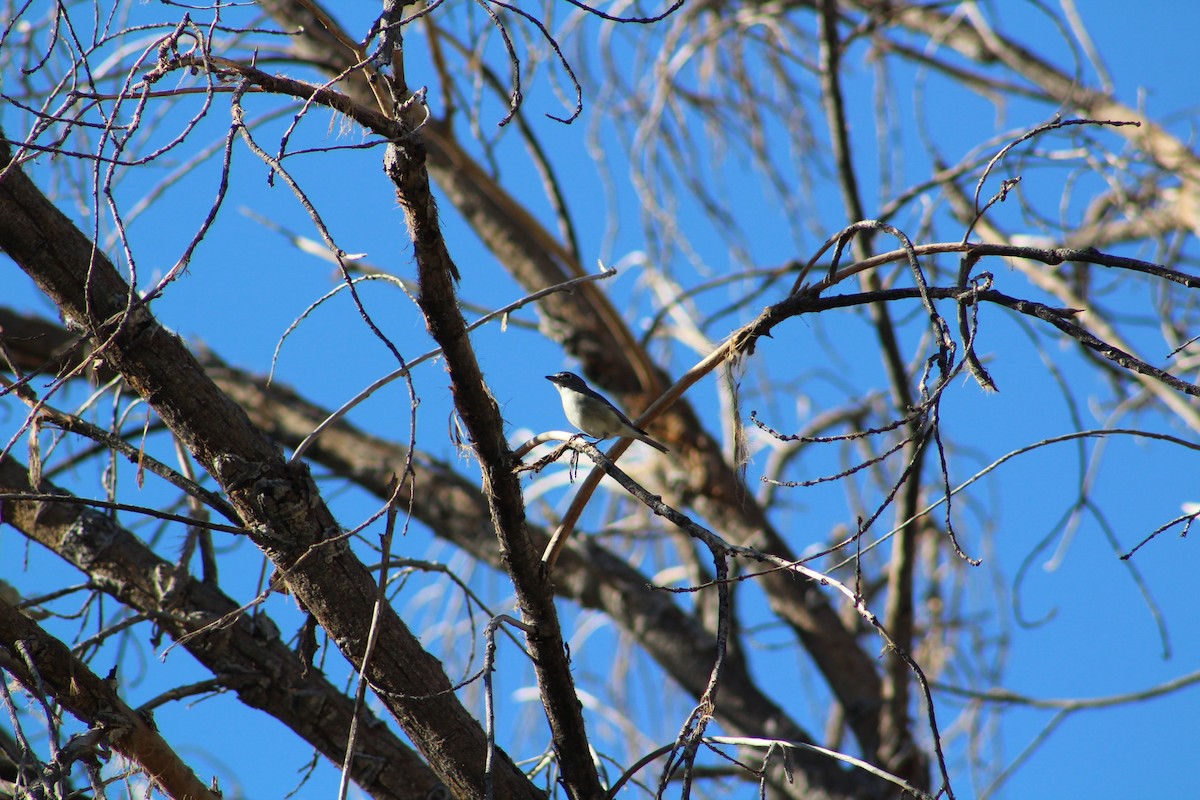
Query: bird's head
[{"x": 567, "y": 380}]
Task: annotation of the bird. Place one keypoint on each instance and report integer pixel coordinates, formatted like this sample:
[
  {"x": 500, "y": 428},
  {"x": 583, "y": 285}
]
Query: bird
[{"x": 591, "y": 413}]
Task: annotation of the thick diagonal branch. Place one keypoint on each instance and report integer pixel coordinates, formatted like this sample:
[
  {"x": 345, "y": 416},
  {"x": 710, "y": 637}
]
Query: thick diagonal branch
[
  {"x": 405, "y": 164},
  {"x": 247, "y": 657},
  {"x": 42, "y": 663}
]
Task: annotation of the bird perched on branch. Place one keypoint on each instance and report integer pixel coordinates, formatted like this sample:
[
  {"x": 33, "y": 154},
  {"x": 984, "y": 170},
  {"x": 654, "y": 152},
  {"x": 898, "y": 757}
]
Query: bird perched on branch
[{"x": 591, "y": 413}]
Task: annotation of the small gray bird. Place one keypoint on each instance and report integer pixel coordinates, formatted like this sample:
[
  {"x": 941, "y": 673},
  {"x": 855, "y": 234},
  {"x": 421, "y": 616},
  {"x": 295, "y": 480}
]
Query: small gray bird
[{"x": 591, "y": 413}]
